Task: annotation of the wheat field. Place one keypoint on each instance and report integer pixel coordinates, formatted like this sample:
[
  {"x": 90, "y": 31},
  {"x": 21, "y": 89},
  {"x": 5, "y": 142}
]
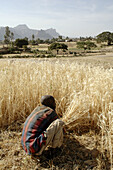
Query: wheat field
[{"x": 83, "y": 94}]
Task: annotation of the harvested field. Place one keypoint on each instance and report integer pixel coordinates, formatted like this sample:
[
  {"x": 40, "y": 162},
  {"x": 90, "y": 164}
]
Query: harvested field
[
  {"x": 83, "y": 89},
  {"x": 105, "y": 61}
]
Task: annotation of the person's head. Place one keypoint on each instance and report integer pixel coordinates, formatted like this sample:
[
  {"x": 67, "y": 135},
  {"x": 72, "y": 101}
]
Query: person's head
[{"x": 49, "y": 101}]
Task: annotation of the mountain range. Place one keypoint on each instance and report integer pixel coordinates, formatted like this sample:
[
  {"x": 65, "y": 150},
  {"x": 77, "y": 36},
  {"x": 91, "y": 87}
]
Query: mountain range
[{"x": 22, "y": 31}]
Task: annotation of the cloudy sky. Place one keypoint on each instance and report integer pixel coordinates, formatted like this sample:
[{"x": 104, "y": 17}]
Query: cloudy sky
[{"x": 71, "y": 18}]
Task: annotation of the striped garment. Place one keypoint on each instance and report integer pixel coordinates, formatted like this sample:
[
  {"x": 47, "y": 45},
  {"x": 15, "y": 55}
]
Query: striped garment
[{"x": 34, "y": 130}]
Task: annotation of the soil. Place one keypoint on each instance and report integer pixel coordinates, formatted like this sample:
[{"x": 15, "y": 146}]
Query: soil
[{"x": 77, "y": 153}]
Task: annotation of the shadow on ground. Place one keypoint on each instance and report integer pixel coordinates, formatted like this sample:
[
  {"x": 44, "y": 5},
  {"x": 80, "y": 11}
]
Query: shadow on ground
[{"x": 72, "y": 155}]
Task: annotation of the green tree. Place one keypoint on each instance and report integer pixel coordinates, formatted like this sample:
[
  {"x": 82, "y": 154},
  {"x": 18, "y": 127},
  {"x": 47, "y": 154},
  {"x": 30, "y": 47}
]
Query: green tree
[
  {"x": 47, "y": 41},
  {"x": 7, "y": 35},
  {"x": 86, "y": 45},
  {"x": 33, "y": 37},
  {"x": 53, "y": 40},
  {"x": 90, "y": 45},
  {"x": 105, "y": 37},
  {"x": 67, "y": 38},
  {"x": 60, "y": 37},
  {"x": 12, "y": 37},
  {"x": 25, "y": 38},
  {"x": 33, "y": 40},
  {"x": 39, "y": 41},
  {"x": 81, "y": 45},
  {"x": 57, "y": 46},
  {"x": 21, "y": 42}
]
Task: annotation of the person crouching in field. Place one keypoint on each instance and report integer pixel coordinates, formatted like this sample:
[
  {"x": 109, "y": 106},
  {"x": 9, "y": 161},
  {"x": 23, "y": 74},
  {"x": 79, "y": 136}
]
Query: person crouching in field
[{"x": 42, "y": 128}]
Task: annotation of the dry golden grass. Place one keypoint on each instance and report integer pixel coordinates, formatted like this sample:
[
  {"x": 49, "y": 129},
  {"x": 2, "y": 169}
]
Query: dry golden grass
[{"x": 83, "y": 93}]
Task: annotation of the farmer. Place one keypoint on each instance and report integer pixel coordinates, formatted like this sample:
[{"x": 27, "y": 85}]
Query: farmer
[{"x": 42, "y": 128}]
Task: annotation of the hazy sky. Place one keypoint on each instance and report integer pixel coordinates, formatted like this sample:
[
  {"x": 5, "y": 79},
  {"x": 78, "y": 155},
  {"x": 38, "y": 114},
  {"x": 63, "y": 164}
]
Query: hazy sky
[{"x": 71, "y": 18}]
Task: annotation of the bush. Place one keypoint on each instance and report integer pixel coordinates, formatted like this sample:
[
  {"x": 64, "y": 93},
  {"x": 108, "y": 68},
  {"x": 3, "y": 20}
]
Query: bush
[
  {"x": 57, "y": 46},
  {"x": 4, "y": 50},
  {"x": 21, "y": 42},
  {"x": 86, "y": 45},
  {"x": 51, "y": 56},
  {"x": 42, "y": 56},
  {"x": 20, "y": 56}
]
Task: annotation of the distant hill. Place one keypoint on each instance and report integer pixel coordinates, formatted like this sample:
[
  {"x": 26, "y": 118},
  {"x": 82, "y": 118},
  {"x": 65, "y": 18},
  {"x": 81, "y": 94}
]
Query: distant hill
[{"x": 22, "y": 31}]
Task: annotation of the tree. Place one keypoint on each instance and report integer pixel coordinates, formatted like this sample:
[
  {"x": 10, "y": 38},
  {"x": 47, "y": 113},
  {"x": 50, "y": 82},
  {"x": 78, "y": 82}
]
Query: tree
[
  {"x": 105, "y": 37},
  {"x": 47, "y": 41},
  {"x": 67, "y": 38},
  {"x": 33, "y": 40},
  {"x": 57, "y": 46},
  {"x": 60, "y": 37},
  {"x": 81, "y": 44},
  {"x": 12, "y": 37},
  {"x": 90, "y": 45},
  {"x": 39, "y": 41},
  {"x": 7, "y": 35},
  {"x": 53, "y": 40},
  {"x": 21, "y": 42},
  {"x": 33, "y": 37},
  {"x": 86, "y": 45}
]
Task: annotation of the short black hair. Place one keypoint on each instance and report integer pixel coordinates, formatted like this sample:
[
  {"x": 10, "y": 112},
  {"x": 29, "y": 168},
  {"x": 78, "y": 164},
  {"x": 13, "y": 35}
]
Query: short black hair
[{"x": 49, "y": 101}]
